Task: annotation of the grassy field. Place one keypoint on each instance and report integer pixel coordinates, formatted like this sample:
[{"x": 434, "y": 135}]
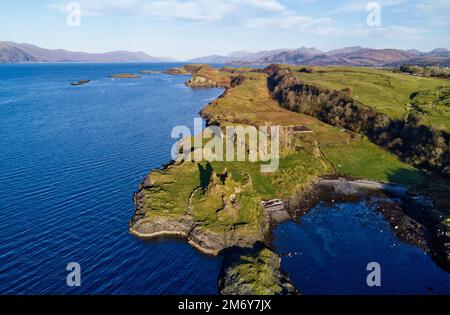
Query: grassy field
[
  {"x": 166, "y": 184},
  {"x": 225, "y": 202},
  {"x": 394, "y": 94}
]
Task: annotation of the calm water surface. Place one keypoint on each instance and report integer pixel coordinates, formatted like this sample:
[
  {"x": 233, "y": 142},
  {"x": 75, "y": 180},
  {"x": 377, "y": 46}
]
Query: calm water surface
[
  {"x": 71, "y": 158},
  {"x": 328, "y": 250}
]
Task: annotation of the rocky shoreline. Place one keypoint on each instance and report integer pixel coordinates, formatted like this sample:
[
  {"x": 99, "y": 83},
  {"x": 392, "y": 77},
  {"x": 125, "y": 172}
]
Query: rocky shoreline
[
  {"x": 206, "y": 241},
  {"x": 234, "y": 247}
]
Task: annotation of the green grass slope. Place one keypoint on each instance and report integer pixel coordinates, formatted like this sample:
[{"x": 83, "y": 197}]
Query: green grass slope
[{"x": 395, "y": 94}]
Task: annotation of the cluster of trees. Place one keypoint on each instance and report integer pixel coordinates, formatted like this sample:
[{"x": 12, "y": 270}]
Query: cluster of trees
[
  {"x": 306, "y": 70},
  {"x": 419, "y": 145},
  {"x": 430, "y": 71}
]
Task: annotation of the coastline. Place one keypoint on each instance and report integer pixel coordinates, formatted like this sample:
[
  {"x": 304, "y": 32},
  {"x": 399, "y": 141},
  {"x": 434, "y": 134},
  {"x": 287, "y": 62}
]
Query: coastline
[{"x": 172, "y": 234}]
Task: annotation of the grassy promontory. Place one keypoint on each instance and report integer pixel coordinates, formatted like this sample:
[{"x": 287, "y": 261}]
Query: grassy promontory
[
  {"x": 217, "y": 205},
  {"x": 254, "y": 271},
  {"x": 212, "y": 210}
]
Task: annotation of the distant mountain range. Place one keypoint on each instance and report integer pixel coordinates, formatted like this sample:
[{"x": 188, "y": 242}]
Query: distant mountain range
[
  {"x": 350, "y": 56},
  {"x": 11, "y": 52}
]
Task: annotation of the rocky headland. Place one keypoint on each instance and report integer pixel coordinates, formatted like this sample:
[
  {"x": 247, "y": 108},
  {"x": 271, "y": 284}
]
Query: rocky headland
[
  {"x": 191, "y": 221},
  {"x": 203, "y": 76},
  {"x": 254, "y": 271},
  {"x": 219, "y": 207}
]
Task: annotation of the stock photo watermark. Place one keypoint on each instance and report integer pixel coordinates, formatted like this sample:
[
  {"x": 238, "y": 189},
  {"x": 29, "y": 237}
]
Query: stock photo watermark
[
  {"x": 73, "y": 278},
  {"x": 374, "y": 277},
  {"x": 237, "y": 144},
  {"x": 73, "y": 18},
  {"x": 374, "y": 17}
]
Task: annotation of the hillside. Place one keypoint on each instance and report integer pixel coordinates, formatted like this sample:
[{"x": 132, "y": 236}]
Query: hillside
[
  {"x": 253, "y": 58},
  {"x": 394, "y": 94},
  {"x": 11, "y": 52}
]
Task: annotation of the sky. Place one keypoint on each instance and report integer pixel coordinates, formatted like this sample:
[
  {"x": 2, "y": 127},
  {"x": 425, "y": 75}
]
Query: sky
[{"x": 185, "y": 29}]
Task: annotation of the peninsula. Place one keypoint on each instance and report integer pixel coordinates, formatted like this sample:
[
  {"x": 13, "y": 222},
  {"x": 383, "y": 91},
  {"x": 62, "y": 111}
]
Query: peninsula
[{"x": 335, "y": 130}]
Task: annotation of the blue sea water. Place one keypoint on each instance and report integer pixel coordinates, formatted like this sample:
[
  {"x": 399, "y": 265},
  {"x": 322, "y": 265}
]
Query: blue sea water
[
  {"x": 70, "y": 160},
  {"x": 328, "y": 250}
]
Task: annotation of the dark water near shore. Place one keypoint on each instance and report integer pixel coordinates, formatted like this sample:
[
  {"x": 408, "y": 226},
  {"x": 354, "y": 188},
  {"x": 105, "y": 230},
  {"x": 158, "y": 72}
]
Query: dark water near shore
[
  {"x": 328, "y": 250},
  {"x": 70, "y": 160}
]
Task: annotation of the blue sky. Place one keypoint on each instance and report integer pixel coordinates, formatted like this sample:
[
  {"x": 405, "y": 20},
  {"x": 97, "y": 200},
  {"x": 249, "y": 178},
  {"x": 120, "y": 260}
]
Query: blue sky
[{"x": 190, "y": 28}]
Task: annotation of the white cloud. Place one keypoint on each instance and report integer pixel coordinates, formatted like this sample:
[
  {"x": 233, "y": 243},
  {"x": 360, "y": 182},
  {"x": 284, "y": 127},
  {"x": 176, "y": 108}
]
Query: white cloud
[
  {"x": 199, "y": 10},
  {"x": 262, "y": 14},
  {"x": 270, "y": 5},
  {"x": 202, "y": 10},
  {"x": 437, "y": 11},
  {"x": 289, "y": 21},
  {"x": 98, "y": 7},
  {"x": 327, "y": 27}
]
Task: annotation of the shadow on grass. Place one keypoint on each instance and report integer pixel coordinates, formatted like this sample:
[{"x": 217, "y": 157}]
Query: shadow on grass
[
  {"x": 205, "y": 172},
  {"x": 407, "y": 177}
]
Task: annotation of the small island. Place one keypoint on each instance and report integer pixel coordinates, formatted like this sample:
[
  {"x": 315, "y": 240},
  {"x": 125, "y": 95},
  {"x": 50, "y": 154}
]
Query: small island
[
  {"x": 81, "y": 82},
  {"x": 125, "y": 76}
]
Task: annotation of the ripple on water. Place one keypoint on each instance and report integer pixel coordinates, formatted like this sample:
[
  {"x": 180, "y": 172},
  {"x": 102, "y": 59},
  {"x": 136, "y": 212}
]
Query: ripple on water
[{"x": 71, "y": 160}]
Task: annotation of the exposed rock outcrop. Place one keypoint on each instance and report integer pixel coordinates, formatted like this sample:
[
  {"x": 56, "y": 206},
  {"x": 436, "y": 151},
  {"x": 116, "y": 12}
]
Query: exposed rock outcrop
[
  {"x": 81, "y": 82},
  {"x": 205, "y": 240},
  {"x": 199, "y": 81},
  {"x": 253, "y": 271}
]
